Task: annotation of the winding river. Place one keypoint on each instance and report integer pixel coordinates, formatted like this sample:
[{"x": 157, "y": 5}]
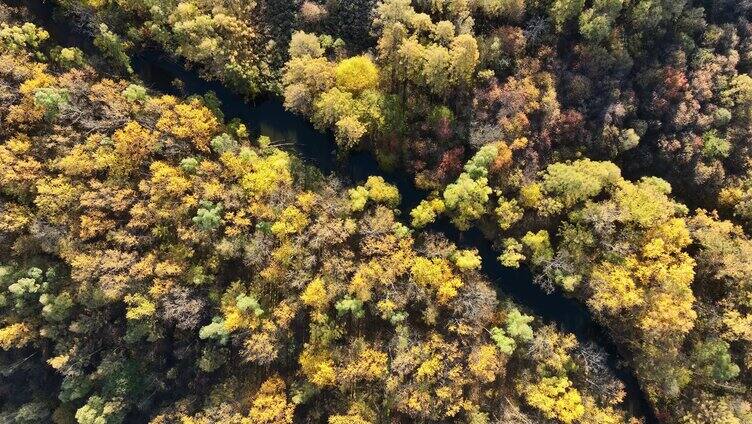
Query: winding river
[{"x": 158, "y": 71}]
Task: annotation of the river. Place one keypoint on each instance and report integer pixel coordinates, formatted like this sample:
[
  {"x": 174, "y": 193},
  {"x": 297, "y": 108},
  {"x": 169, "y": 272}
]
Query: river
[{"x": 290, "y": 131}]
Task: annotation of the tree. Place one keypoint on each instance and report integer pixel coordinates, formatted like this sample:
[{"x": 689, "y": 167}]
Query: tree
[
  {"x": 563, "y": 10},
  {"x": 52, "y": 100},
  {"x": 113, "y": 47},
  {"x": 365, "y": 364},
  {"x": 192, "y": 121},
  {"x": 512, "y": 255},
  {"x": 436, "y": 69},
  {"x": 54, "y": 196},
  {"x": 268, "y": 173},
  {"x": 356, "y": 74},
  {"x": 139, "y": 307},
  {"x": 464, "y": 57},
  {"x": 304, "y": 79},
  {"x": 381, "y": 192},
  {"x": 291, "y": 221},
  {"x": 508, "y": 213},
  {"x": 349, "y": 131},
  {"x": 478, "y": 165},
  {"x": 315, "y": 294},
  {"x": 132, "y": 145},
  {"x": 568, "y": 184},
  {"x": 539, "y": 245},
  {"x": 181, "y": 308},
  {"x": 317, "y": 367},
  {"x": 713, "y": 146},
  {"x": 352, "y": 116},
  {"x": 15, "y": 335},
  {"x": 223, "y": 143},
  {"x": 353, "y": 306},
  {"x": 375, "y": 189},
  {"x": 511, "y": 9},
  {"x": 143, "y": 224},
  {"x": 25, "y": 37},
  {"x": 517, "y": 325},
  {"x": 135, "y": 93},
  {"x": 426, "y": 212},
  {"x": 215, "y": 330},
  {"x": 270, "y": 405},
  {"x": 556, "y": 399},
  {"x": 484, "y": 363},
  {"x": 100, "y": 411},
  {"x": 467, "y": 259},
  {"x": 713, "y": 362},
  {"x": 466, "y": 199},
  {"x": 504, "y": 343},
  {"x": 304, "y": 44},
  {"x": 596, "y": 22}
]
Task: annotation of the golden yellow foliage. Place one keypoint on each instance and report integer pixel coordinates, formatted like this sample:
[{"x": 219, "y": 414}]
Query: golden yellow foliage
[
  {"x": 615, "y": 289},
  {"x": 531, "y": 195},
  {"x": 95, "y": 224},
  {"x": 269, "y": 174},
  {"x": 133, "y": 144},
  {"x": 356, "y": 74},
  {"x": 729, "y": 196},
  {"x": 364, "y": 279},
  {"x": 367, "y": 364},
  {"x": 318, "y": 367},
  {"x": 306, "y": 201},
  {"x": 437, "y": 274},
  {"x": 14, "y": 218},
  {"x": 15, "y": 335},
  {"x": 54, "y": 196},
  {"x": 556, "y": 399},
  {"x": 597, "y": 415},
  {"x": 58, "y": 362},
  {"x": 347, "y": 419},
  {"x": 270, "y": 405},
  {"x": 139, "y": 307},
  {"x": 18, "y": 172},
  {"x": 191, "y": 121},
  {"x": 484, "y": 363},
  {"x": 291, "y": 221},
  {"x": 40, "y": 79},
  {"x": 381, "y": 192},
  {"x": 19, "y": 144},
  {"x": 438, "y": 377},
  {"x": 738, "y": 325},
  {"x": 426, "y": 212},
  {"x": 79, "y": 162},
  {"x": 467, "y": 259},
  {"x": 97, "y": 3},
  {"x": 315, "y": 294},
  {"x": 429, "y": 368},
  {"x": 169, "y": 181}
]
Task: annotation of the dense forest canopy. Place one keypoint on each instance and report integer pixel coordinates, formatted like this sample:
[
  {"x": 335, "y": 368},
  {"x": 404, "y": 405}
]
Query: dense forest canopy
[{"x": 158, "y": 264}]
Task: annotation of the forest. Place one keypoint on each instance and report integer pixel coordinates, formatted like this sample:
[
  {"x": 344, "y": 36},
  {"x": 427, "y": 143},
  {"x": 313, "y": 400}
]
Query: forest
[{"x": 163, "y": 261}]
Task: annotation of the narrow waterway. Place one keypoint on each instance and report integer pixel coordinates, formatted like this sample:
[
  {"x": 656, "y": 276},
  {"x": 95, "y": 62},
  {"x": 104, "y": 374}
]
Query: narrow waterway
[{"x": 268, "y": 117}]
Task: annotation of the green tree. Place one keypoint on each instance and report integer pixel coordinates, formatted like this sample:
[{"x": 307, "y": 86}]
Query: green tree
[
  {"x": 466, "y": 200},
  {"x": 208, "y": 216},
  {"x": 113, "y": 47},
  {"x": 712, "y": 361},
  {"x": 53, "y": 100}
]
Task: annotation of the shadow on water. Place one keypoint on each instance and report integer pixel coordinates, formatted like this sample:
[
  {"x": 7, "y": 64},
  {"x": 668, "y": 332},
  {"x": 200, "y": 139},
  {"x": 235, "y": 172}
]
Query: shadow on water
[{"x": 268, "y": 117}]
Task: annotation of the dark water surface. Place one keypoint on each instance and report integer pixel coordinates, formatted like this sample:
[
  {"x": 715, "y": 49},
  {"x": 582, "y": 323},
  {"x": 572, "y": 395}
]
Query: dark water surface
[{"x": 292, "y": 132}]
